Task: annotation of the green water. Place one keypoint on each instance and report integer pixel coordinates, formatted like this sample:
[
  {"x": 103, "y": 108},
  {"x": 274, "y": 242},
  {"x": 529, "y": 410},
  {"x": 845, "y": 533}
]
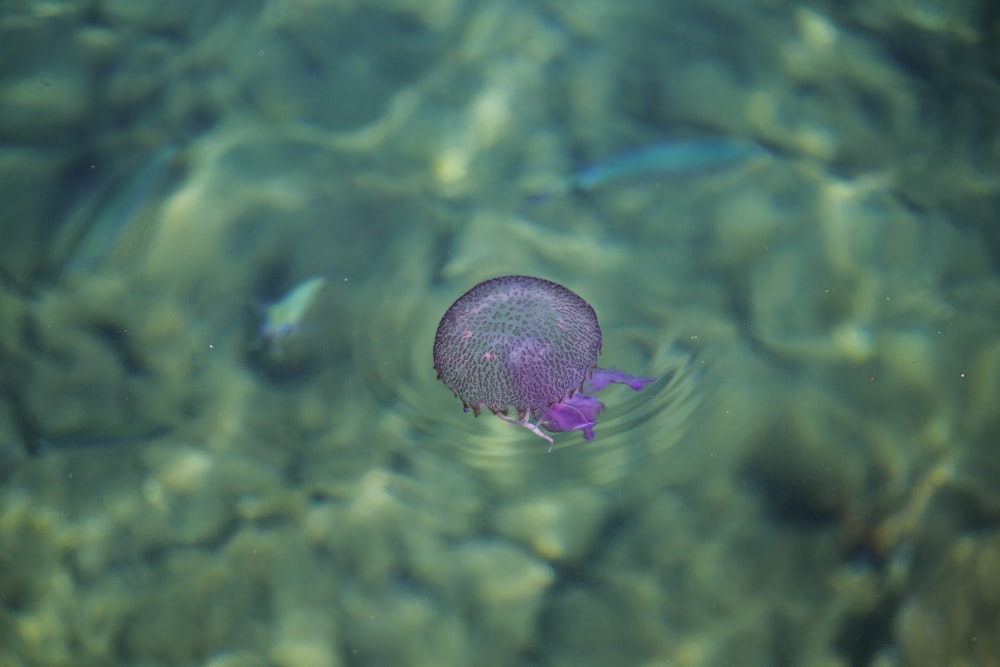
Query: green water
[{"x": 813, "y": 481}]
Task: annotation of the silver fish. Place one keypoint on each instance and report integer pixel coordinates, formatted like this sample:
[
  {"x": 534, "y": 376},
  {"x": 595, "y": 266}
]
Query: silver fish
[{"x": 283, "y": 318}]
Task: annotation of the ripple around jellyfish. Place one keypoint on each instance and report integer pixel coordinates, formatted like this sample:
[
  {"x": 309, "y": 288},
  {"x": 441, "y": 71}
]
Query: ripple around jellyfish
[{"x": 404, "y": 407}]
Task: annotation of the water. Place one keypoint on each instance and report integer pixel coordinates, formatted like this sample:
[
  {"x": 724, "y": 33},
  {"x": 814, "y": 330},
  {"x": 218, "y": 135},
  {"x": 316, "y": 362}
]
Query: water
[{"x": 811, "y": 482}]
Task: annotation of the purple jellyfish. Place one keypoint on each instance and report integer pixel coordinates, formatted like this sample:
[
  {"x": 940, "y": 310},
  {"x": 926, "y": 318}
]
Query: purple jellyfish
[{"x": 530, "y": 344}]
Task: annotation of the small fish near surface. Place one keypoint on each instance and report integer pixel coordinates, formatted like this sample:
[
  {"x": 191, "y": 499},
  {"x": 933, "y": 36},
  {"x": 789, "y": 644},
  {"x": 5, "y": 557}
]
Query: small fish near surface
[
  {"x": 284, "y": 317},
  {"x": 677, "y": 159}
]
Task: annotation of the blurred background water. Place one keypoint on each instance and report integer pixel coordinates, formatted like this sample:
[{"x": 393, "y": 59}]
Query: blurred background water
[{"x": 788, "y": 212}]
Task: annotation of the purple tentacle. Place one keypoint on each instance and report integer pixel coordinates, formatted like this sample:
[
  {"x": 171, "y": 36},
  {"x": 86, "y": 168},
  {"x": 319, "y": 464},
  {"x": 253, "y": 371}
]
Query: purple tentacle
[{"x": 602, "y": 377}]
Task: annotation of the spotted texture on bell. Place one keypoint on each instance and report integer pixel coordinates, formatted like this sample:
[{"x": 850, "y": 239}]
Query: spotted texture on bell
[{"x": 518, "y": 342}]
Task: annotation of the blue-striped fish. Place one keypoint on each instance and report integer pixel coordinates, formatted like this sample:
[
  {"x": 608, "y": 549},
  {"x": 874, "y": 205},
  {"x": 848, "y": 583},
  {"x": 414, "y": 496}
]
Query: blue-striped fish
[
  {"x": 118, "y": 210},
  {"x": 668, "y": 159},
  {"x": 36, "y": 444}
]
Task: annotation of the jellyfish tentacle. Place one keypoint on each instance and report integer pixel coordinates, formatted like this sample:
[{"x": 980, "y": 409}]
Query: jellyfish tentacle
[
  {"x": 602, "y": 377},
  {"x": 577, "y": 413},
  {"x": 526, "y": 423}
]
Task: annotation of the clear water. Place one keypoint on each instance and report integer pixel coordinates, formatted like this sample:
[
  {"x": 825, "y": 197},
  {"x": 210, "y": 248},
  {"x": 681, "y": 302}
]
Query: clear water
[{"x": 812, "y": 481}]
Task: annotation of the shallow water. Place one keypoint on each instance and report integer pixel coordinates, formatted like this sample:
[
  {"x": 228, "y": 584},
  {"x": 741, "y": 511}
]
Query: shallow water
[{"x": 811, "y": 482}]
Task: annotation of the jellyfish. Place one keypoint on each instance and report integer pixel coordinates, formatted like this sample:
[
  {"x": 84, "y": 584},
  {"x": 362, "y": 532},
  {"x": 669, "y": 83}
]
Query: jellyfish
[{"x": 531, "y": 345}]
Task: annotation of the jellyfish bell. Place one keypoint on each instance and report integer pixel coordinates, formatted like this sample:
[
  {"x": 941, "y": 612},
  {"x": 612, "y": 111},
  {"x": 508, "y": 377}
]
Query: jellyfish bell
[
  {"x": 528, "y": 344},
  {"x": 518, "y": 342}
]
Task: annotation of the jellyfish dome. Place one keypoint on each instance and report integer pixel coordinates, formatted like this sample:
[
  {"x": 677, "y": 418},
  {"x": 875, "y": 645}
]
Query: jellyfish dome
[{"x": 516, "y": 342}]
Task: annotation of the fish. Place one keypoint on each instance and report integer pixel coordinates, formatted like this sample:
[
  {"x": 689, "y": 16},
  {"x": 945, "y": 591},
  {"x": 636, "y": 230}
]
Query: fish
[
  {"x": 36, "y": 444},
  {"x": 674, "y": 159},
  {"x": 93, "y": 238},
  {"x": 284, "y": 317}
]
